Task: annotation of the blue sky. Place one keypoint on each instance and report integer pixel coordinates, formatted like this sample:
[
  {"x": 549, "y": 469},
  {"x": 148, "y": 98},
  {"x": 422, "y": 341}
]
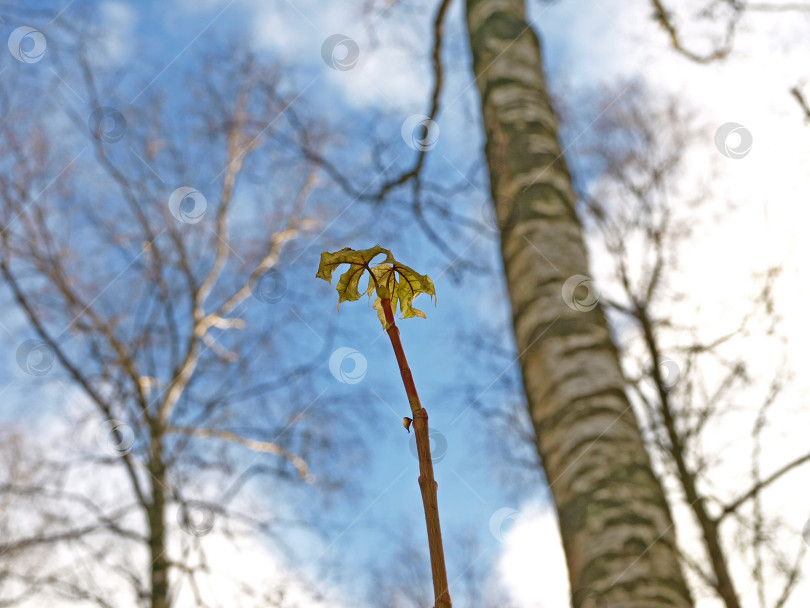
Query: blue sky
[
  {"x": 159, "y": 45},
  {"x": 150, "y": 46}
]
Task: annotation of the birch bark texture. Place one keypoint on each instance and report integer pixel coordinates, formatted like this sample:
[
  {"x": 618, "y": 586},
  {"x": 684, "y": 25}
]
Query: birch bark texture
[{"x": 614, "y": 519}]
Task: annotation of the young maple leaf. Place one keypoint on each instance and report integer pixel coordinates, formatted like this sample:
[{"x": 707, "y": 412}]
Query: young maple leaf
[{"x": 390, "y": 279}]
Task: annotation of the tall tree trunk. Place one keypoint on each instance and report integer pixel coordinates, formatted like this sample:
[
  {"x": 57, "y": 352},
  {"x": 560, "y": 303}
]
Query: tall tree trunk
[
  {"x": 614, "y": 519},
  {"x": 159, "y": 567}
]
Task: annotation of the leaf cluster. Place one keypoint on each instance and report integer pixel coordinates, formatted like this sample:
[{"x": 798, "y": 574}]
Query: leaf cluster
[{"x": 390, "y": 279}]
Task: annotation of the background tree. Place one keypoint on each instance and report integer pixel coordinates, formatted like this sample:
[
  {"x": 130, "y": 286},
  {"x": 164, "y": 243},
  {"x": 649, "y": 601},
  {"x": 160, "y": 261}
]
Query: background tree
[
  {"x": 614, "y": 519},
  {"x": 147, "y": 267},
  {"x": 724, "y": 19},
  {"x": 686, "y": 379},
  {"x": 354, "y": 122}
]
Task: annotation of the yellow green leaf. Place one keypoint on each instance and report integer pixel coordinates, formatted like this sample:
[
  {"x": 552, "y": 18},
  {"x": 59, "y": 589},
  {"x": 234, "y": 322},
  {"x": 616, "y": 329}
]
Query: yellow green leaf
[
  {"x": 358, "y": 261},
  {"x": 390, "y": 279},
  {"x": 410, "y": 285}
]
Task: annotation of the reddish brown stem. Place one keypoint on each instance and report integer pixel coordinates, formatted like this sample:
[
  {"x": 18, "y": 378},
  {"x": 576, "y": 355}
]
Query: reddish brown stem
[{"x": 427, "y": 483}]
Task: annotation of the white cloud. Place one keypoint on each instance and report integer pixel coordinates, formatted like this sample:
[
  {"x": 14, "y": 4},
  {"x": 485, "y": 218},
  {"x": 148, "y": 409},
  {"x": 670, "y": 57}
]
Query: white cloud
[
  {"x": 118, "y": 21},
  {"x": 386, "y": 73},
  {"x": 234, "y": 561},
  {"x": 532, "y": 564}
]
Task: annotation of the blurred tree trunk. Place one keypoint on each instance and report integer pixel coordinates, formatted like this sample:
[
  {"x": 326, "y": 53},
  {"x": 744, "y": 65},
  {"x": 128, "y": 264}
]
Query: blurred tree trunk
[
  {"x": 159, "y": 565},
  {"x": 614, "y": 519}
]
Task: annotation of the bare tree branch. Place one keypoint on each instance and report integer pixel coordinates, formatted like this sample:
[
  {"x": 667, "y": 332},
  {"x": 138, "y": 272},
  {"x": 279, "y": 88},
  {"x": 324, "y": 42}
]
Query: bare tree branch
[{"x": 254, "y": 444}]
